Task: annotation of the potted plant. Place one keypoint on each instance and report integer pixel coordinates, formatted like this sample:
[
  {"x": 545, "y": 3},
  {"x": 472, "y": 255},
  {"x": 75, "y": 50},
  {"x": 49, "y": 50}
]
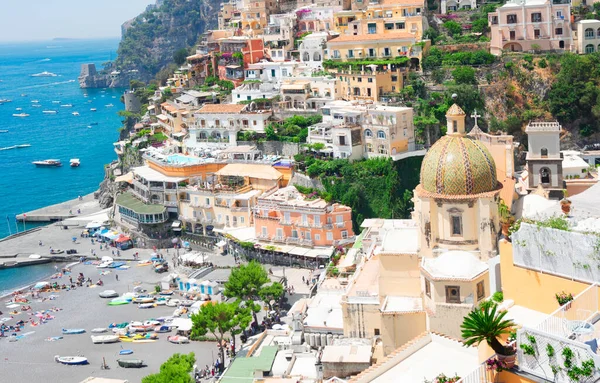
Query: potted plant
[
  {"x": 565, "y": 203},
  {"x": 506, "y": 218},
  {"x": 488, "y": 325},
  {"x": 564, "y": 299}
]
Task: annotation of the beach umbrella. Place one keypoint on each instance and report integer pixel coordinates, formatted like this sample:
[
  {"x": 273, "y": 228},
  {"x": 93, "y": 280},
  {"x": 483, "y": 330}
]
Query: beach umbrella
[
  {"x": 107, "y": 259},
  {"x": 41, "y": 285},
  {"x": 174, "y": 240}
]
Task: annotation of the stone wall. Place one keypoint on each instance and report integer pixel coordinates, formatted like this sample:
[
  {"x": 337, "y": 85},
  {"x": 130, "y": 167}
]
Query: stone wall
[
  {"x": 306, "y": 181},
  {"x": 286, "y": 149}
]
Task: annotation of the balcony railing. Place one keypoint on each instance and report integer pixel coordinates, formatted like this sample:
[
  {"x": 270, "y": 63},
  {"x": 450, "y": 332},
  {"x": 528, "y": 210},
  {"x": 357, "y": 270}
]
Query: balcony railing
[
  {"x": 340, "y": 225},
  {"x": 263, "y": 237},
  {"x": 285, "y": 222},
  {"x": 280, "y": 239},
  {"x": 328, "y": 226},
  {"x": 302, "y": 223},
  {"x": 306, "y": 242},
  {"x": 237, "y": 209},
  {"x": 293, "y": 240}
]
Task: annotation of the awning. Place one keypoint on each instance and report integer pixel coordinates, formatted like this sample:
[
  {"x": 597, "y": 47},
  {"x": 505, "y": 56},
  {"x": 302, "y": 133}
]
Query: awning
[
  {"x": 111, "y": 235},
  {"x": 93, "y": 225},
  {"x": 233, "y": 67},
  {"x": 123, "y": 239},
  {"x": 176, "y": 224},
  {"x": 221, "y": 243},
  {"x": 125, "y": 178}
]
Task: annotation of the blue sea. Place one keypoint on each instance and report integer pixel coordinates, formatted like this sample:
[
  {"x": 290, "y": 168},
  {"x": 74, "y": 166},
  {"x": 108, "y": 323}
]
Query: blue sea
[{"x": 23, "y": 187}]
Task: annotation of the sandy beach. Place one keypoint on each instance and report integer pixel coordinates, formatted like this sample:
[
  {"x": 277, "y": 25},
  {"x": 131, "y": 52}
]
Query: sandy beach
[{"x": 30, "y": 359}]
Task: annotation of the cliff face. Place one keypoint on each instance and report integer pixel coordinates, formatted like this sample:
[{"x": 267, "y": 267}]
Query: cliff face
[{"x": 149, "y": 40}]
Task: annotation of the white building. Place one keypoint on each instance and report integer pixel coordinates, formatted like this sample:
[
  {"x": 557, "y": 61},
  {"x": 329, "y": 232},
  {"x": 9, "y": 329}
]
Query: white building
[
  {"x": 216, "y": 125},
  {"x": 587, "y": 39},
  {"x": 312, "y": 49},
  {"x": 573, "y": 165},
  {"x": 544, "y": 160},
  {"x": 278, "y": 36},
  {"x": 253, "y": 91},
  {"x": 455, "y": 5}
]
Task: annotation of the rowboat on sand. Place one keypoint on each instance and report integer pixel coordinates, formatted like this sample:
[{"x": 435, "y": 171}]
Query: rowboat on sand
[
  {"x": 130, "y": 363},
  {"x": 98, "y": 339},
  {"x": 71, "y": 360},
  {"x": 71, "y": 331}
]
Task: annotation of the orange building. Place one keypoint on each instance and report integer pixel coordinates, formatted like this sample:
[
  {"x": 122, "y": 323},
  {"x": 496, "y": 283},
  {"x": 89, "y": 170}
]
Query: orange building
[{"x": 287, "y": 216}]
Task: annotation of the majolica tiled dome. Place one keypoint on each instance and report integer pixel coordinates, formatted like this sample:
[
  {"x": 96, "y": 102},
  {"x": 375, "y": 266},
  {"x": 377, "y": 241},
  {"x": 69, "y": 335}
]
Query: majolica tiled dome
[{"x": 458, "y": 165}]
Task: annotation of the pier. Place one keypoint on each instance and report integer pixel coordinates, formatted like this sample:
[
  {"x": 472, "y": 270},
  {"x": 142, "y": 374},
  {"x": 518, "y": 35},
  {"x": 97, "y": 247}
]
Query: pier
[{"x": 69, "y": 209}]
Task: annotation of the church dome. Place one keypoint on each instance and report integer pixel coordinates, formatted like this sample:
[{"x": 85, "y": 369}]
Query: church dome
[{"x": 458, "y": 165}]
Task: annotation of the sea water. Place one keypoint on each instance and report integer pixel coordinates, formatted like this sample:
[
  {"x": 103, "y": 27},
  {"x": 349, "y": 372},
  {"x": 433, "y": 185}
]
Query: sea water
[
  {"x": 24, "y": 187},
  {"x": 19, "y": 277}
]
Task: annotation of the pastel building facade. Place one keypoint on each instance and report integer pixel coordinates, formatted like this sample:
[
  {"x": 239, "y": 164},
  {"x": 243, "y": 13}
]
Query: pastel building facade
[
  {"x": 587, "y": 36},
  {"x": 540, "y": 25}
]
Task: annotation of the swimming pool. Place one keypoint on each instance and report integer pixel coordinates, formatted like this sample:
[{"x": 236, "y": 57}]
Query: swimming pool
[{"x": 180, "y": 159}]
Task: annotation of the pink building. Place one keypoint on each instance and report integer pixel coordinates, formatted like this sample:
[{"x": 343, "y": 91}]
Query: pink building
[
  {"x": 527, "y": 25},
  {"x": 286, "y": 216}
]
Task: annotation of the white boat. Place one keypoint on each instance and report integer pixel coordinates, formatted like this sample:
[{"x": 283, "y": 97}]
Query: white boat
[
  {"x": 4, "y": 100},
  {"x": 35, "y": 101},
  {"x": 178, "y": 339},
  {"x": 21, "y": 115},
  {"x": 19, "y": 109},
  {"x": 3, "y": 130},
  {"x": 108, "y": 294},
  {"x": 67, "y": 106},
  {"x": 36, "y": 105},
  {"x": 47, "y": 163},
  {"x": 99, "y": 330},
  {"x": 109, "y": 105},
  {"x": 97, "y": 339},
  {"x": 56, "y": 102},
  {"x": 49, "y": 111},
  {"x": 71, "y": 360},
  {"x": 44, "y": 74},
  {"x": 74, "y": 162},
  {"x": 93, "y": 110},
  {"x": 75, "y": 113},
  {"x": 146, "y": 305}
]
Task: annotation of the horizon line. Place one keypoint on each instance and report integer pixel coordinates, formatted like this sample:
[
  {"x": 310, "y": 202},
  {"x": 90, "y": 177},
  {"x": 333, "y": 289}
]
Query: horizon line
[{"x": 60, "y": 39}]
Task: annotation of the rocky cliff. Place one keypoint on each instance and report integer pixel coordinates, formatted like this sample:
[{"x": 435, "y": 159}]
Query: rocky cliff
[{"x": 150, "y": 40}]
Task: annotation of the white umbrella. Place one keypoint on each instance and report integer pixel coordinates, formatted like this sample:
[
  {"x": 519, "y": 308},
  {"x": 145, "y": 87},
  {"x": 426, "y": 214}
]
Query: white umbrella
[{"x": 107, "y": 259}]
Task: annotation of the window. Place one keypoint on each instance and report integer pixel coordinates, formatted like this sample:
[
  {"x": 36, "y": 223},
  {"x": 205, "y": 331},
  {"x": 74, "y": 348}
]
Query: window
[
  {"x": 317, "y": 220},
  {"x": 511, "y": 19},
  {"x": 381, "y": 134},
  {"x": 264, "y": 231},
  {"x": 513, "y": 35},
  {"x": 394, "y": 78},
  {"x": 454, "y": 126},
  {"x": 339, "y": 219},
  {"x": 217, "y": 123},
  {"x": 589, "y": 33},
  {"x": 544, "y": 151},
  {"x": 559, "y": 15},
  {"x": 387, "y": 52},
  {"x": 545, "y": 176},
  {"x": 207, "y": 202},
  {"x": 536, "y": 33},
  {"x": 494, "y": 20},
  {"x": 369, "y": 148},
  {"x": 304, "y": 218},
  {"x": 456, "y": 225},
  {"x": 371, "y": 29},
  {"x": 279, "y": 232},
  {"x": 558, "y": 31},
  {"x": 388, "y": 26},
  {"x": 336, "y": 54},
  {"x": 368, "y": 133},
  {"x": 371, "y": 52},
  {"x": 400, "y": 25},
  {"x": 241, "y": 219},
  {"x": 561, "y": 44},
  {"x": 382, "y": 149},
  {"x": 452, "y": 294},
  {"x": 307, "y": 235},
  {"x": 427, "y": 288},
  {"x": 344, "y": 234},
  {"x": 350, "y": 53},
  {"x": 376, "y": 331},
  {"x": 329, "y": 236},
  {"x": 536, "y": 17},
  {"x": 317, "y": 237},
  {"x": 480, "y": 291},
  {"x": 342, "y": 140},
  {"x": 359, "y": 79},
  {"x": 370, "y": 79}
]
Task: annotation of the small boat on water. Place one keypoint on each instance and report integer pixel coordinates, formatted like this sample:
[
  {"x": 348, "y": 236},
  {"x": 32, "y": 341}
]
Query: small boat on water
[
  {"x": 93, "y": 110},
  {"x": 56, "y": 102},
  {"x": 3, "y": 131},
  {"x": 130, "y": 363},
  {"x": 19, "y": 109},
  {"x": 20, "y": 115},
  {"x": 49, "y": 111},
  {"x": 23, "y": 95},
  {"x": 44, "y": 74},
  {"x": 4, "y": 100},
  {"x": 109, "y": 105},
  {"x": 72, "y": 331},
  {"x": 35, "y": 101},
  {"x": 75, "y": 113},
  {"x": 99, "y": 339},
  {"x": 21, "y": 146},
  {"x": 74, "y": 162},
  {"x": 178, "y": 339},
  {"x": 66, "y": 106},
  {"x": 36, "y": 106},
  {"x": 9, "y": 147},
  {"x": 71, "y": 360},
  {"x": 47, "y": 163}
]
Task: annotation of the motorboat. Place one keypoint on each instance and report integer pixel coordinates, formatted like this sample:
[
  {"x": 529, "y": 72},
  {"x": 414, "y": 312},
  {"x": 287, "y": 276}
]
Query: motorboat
[
  {"x": 23, "y": 95},
  {"x": 71, "y": 360},
  {"x": 21, "y": 146},
  {"x": 74, "y": 162},
  {"x": 130, "y": 363},
  {"x": 66, "y": 106},
  {"x": 20, "y": 115},
  {"x": 93, "y": 110},
  {"x": 173, "y": 302},
  {"x": 72, "y": 331},
  {"x": 146, "y": 305},
  {"x": 162, "y": 329},
  {"x": 35, "y": 101},
  {"x": 19, "y": 109},
  {"x": 99, "y": 339},
  {"x": 75, "y": 113},
  {"x": 143, "y": 300},
  {"x": 3, "y": 130},
  {"x": 178, "y": 339},
  {"x": 125, "y": 352},
  {"x": 119, "y": 302},
  {"x": 49, "y": 111},
  {"x": 56, "y": 102},
  {"x": 36, "y": 106},
  {"x": 108, "y": 294},
  {"x": 4, "y": 100},
  {"x": 109, "y": 105},
  {"x": 44, "y": 74},
  {"x": 47, "y": 163}
]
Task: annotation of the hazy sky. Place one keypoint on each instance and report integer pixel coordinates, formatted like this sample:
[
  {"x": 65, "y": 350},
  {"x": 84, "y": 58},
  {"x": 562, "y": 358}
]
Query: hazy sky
[{"x": 24, "y": 20}]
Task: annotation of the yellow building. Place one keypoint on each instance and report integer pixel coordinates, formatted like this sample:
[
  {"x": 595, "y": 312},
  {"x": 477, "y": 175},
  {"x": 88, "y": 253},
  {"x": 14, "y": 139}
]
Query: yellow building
[
  {"x": 376, "y": 46},
  {"x": 369, "y": 84}
]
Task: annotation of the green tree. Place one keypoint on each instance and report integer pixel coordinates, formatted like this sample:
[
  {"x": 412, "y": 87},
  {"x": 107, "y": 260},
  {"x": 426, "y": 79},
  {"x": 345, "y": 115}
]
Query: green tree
[
  {"x": 464, "y": 75},
  {"x": 220, "y": 319},
  {"x": 271, "y": 292},
  {"x": 175, "y": 370},
  {"x": 431, "y": 34},
  {"x": 454, "y": 29},
  {"x": 480, "y": 25},
  {"x": 438, "y": 76},
  {"x": 180, "y": 56},
  {"x": 487, "y": 325},
  {"x": 129, "y": 118},
  {"x": 245, "y": 281}
]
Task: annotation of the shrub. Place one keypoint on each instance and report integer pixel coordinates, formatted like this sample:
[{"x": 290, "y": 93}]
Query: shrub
[
  {"x": 453, "y": 28},
  {"x": 464, "y": 75},
  {"x": 542, "y": 63}
]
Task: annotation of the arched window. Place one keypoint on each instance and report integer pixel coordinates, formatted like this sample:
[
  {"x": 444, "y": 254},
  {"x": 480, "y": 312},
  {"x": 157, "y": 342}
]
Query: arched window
[
  {"x": 589, "y": 33},
  {"x": 598, "y": 32},
  {"x": 201, "y": 136},
  {"x": 545, "y": 175},
  {"x": 382, "y": 150},
  {"x": 368, "y": 133},
  {"x": 544, "y": 152},
  {"x": 306, "y": 56},
  {"x": 589, "y": 48},
  {"x": 381, "y": 134},
  {"x": 316, "y": 56}
]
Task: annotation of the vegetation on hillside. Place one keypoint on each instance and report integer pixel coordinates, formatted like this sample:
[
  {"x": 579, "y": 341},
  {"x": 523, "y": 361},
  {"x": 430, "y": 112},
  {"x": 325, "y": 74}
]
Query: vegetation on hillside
[
  {"x": 374, "y": 188},
  {"x": 177, "y": 369}
]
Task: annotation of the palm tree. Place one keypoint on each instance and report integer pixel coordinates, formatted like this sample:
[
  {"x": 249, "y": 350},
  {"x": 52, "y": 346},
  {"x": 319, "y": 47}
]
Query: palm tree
[{"x": 487, "y": 325}]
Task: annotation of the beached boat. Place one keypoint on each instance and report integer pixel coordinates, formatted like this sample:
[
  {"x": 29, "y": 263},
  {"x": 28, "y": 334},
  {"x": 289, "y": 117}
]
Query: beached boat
[
  {"x": 146, "y": 305},
  {"x": 71, "y": 360},
  {"x": 162, "y": 329},
  {"x": 143, "y": 300},
  {"x": 74, "y": 162},
  {"x": 99, "y": 330},
  {"x": 44, "y": 74},
  {"x": 130, "y": 363},
  {"x": 47, "y": 163},
  {"x": 108, "y": 294},
  {"x": 20, "y": 115},
  {"x": 151, "y": 323},
  {"x": 166, "y": 292},
  {"x": 49, "y": 111},
  {"x": 114, "y": 265},
  {"x": 178, "y": 339},
  {"x": 118, "y": 302},
  {"x": 173, "y": 302},
  {"x": 186, "y": 303},
  {"x": 126, "y": 352},
  {"x": 98, "y": 339},
  {"x": 72, "y": 331}
]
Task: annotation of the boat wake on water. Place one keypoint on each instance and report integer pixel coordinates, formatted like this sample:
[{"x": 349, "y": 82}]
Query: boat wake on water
[{"x": 45, "y": 85}]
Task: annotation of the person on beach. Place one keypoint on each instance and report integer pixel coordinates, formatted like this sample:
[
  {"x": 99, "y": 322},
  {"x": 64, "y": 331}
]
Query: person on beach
[
  {"x": 41, "y": 244},
  {"x": 117, "y": 276}
]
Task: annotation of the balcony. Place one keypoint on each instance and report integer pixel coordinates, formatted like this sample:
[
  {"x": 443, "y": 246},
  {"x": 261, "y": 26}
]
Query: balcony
[
  {"x": 263, "y": 237},
  {"x": 340, "y": 225},
  {"x": 302, "y": 223},
  {"x": 239, "y": 209},
  {"x": 280, "y": 239},
  {"x": 567, "y": 328},
  {"x": 306, "y": 242},
  {"x": 292, "y": 240},
  {"x": 285, "y": 222},
  {"x": 328, "y": 226}
]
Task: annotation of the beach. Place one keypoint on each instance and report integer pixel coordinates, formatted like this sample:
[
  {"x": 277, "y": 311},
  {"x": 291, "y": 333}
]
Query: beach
[{"x": 32, "y": 357}]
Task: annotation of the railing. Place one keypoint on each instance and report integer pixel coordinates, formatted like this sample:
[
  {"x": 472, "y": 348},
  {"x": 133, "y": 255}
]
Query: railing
[
  {"x": 263, "y": 237},
  {"x": 328, "y": 226},
  {"x": 278, "y": 239},
  {"x": 340, "y": 225},
  {"x": 306, "y": 242},
  {"x": 237, "y": 209},
  {"x": 292, "y": 240},
  {"x": 302, "y": 224},
  {"x": 285, "y": 222}
]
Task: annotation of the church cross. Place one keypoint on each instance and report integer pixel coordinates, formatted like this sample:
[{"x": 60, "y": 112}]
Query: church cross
[{"x": 475, "y": 116}]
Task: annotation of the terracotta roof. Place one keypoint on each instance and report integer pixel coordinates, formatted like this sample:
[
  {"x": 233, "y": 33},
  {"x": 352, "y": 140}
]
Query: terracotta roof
[
  {"x": 376, "y": 36},
  {"x": 221, "y": 108},
  {"x": 168, "y": 107}
]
